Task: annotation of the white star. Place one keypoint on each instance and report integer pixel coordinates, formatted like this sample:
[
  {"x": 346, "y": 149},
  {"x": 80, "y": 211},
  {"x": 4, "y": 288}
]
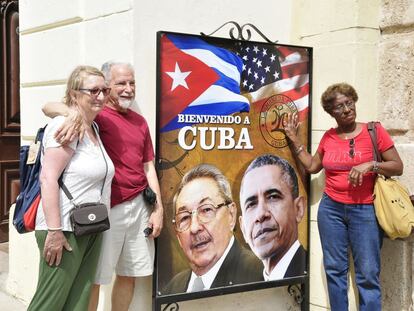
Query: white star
[
  {"x": 256, "y": 76},
  {"x": 178, "y": 77},
  {"x": 259, "y": 63},
  {"x": 262, "y": 80},
  {"x": 251, "y": 87},
  {"x": 244, "y": 82},
  {"x": 255, "y": 49},
  {"x": 248, "y": 49},
  {"x": 244, "y": 67},
  {"x": 254, "y": 59},
  {"x": 249, "y": 71},
  {"x": 267, "y": 69},
  {"x": 264, "y": 52},
  {"x": 273, "y": 57},
  {"x": 276, "y": 75},
  {"x": 245, "y": 58}
]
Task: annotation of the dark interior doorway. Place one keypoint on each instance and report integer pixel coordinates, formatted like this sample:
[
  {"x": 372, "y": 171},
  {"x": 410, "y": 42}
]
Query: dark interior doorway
[{"x": 9, "y": 111}]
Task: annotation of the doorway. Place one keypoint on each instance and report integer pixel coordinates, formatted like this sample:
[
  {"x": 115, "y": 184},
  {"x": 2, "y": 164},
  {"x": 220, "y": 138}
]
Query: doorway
[{"x": 9, "y": 111}]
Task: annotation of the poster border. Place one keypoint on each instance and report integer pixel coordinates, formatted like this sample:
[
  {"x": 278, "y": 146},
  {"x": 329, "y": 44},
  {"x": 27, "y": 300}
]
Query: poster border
[{"x": 302, "y": 281}]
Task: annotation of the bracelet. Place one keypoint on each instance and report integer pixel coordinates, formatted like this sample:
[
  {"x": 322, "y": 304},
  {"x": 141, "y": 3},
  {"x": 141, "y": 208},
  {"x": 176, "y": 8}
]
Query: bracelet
[
  {"x": 54, "y": 229},
  {"x": 299, "y": 149},
  {"x": 375, "y": 167}
]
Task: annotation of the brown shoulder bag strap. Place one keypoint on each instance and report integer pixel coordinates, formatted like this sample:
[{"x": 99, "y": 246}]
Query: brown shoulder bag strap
[{"x": 372, "y": 130}]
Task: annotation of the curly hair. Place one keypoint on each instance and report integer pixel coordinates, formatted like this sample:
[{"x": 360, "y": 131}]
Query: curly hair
[{"x": 328, "y": 97}]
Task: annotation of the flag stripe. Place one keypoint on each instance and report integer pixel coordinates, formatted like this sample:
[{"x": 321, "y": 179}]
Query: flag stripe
[
  {"x": 281, "y": 86},
  {"x": 227, "y": 82},
  {"x": 217, "y": 94},
  {"x": 294, "y": 70},
  {"x": 218, "y": 63},
  {"x": 293, "y": 58},
  {"x": 297, "y": 93}
]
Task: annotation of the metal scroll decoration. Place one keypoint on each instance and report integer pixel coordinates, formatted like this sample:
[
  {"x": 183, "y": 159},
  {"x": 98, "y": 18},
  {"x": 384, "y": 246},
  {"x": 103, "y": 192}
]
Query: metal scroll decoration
[
  {"x": 238, "y": 32},
  {"x": 296, "y": 292},
  {"x": 171, "y": 307}
]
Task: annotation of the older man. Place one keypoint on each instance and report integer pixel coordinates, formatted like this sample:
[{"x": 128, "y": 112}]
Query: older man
[
  {"x": 204, "y": 220},
  {"x": 271, "y": 211},
  {"x": 125, "y": 135}
]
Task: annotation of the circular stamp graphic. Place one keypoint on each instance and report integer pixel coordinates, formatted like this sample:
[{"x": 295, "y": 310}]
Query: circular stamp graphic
[{"x": 273, "y": 111}]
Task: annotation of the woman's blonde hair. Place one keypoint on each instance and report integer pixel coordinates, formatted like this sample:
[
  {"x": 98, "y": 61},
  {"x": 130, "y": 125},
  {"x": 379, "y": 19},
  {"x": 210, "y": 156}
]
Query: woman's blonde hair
[{"x": 76, "y": 79}]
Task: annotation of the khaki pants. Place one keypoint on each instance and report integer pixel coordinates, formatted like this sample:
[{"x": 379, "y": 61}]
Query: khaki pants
[{"x": 67, "y": 286}]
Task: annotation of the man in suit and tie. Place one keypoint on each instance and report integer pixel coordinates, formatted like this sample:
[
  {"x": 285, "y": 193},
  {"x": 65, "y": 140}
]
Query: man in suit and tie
[
  {"x": 271, "y": 212},
  {"x": 204, "y": 219}
]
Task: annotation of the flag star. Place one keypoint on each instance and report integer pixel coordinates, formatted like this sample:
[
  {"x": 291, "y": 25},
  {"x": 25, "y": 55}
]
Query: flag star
[
  {"x": 254, "y": 59},
  {"x": 251, "y": 87},
  {"x": 259, "y": 63},
  {"x": 244, "y": 82},
  {"x": 256, "y": 49},
  {"x": 256, "y": 76},
  {"x": 276, "y": 75},
  {"x": 273, "y": 57},
  {"x": 248, "y": 49},
  {"x": 237, "y": 53},
  {"x": 245, "y": 58},
  {"x": 262, "y": 80},
  {"x": 249, "y": 71},
  {"x": 244, "y": 67},
  {"x": 267, "y": 69},
  {"x": 264, "y": 52},
  {"x": 178, "y": 77}
]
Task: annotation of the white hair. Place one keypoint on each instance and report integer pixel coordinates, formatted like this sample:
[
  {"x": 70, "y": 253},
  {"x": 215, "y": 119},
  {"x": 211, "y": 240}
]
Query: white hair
[{"x": 106, "y": 68}]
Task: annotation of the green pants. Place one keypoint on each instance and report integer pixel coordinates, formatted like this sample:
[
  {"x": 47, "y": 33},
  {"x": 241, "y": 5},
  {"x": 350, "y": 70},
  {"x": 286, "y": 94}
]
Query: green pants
[{"x": 67, "y": 286}]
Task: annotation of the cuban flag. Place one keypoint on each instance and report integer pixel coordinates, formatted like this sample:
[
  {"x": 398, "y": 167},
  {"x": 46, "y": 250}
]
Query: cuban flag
[{"x": 198, "y": 78}]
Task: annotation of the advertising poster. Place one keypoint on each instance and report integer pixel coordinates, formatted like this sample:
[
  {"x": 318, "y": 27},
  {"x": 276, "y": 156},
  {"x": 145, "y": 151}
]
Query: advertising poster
[{"x": 235, "y": 198}]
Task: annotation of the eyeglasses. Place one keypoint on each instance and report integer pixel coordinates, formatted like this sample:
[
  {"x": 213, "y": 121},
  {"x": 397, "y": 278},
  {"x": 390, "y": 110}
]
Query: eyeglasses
[
  {"x": 350, "y": 104},
  {"x": 352, "y": 148},
  {"x": 205, "y": 213},
  {"x": 124, "y": 84},
  {"x": 96, "y": 91}
]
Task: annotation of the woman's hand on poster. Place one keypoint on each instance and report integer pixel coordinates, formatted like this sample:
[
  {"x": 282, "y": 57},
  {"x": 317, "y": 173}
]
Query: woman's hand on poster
[
  {"x": 356, "y": 174},
  {"x": 291, "y": 126},
  {"x": 53, "y": 249}
]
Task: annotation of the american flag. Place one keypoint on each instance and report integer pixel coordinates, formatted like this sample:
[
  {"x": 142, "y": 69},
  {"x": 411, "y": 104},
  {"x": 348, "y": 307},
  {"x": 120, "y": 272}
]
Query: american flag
[{"x": 271, "y": 69}]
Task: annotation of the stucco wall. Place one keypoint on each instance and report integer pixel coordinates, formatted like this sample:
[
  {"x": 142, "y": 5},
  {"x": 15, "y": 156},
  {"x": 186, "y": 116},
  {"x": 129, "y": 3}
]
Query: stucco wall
[{"x": 58, "y": 35}]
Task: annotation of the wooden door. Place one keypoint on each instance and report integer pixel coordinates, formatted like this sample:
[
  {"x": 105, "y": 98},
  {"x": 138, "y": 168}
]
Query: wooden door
[{"x": 9, "y": 111}]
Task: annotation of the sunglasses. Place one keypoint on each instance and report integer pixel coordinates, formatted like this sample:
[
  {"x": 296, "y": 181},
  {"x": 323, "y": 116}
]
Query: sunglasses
[
  {"x": 352, "y": 148},
  {"x": 96, "y": 91}
]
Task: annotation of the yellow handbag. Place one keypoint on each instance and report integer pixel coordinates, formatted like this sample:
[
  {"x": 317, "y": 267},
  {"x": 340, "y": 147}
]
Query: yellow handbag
[{"x": 393, "y": 207}]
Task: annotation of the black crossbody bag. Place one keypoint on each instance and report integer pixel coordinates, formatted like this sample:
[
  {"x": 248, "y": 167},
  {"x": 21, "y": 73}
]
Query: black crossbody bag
[{"x": 91, "y": 217}]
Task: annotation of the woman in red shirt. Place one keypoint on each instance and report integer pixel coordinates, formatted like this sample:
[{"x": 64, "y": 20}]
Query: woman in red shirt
[{"x": 346, "y": 216}]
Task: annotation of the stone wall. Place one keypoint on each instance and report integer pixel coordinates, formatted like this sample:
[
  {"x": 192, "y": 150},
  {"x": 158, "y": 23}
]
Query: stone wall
[{"x": 396, "y": 103}]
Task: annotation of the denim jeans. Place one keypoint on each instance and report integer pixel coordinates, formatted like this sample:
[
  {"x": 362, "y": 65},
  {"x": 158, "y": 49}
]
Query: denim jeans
[{"x": 344, "y": 227}]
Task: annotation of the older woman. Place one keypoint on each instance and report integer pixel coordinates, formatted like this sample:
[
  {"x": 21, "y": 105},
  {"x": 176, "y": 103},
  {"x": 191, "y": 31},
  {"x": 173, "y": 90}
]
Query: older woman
[
  {"x": 67, "y": 264},
  {"x": 346, "y": 216}
]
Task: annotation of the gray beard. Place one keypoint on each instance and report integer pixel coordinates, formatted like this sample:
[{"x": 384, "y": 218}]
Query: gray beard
[{"x": 125, "y": 104}]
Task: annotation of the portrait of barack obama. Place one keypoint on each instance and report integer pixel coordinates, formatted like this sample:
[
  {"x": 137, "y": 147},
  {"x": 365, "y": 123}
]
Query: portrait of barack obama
[{"x": 271, "y": 212}]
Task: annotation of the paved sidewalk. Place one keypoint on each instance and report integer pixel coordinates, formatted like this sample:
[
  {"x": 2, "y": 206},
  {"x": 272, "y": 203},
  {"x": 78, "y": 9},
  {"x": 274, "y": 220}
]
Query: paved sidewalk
[{"x": 7, "y": 302}]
